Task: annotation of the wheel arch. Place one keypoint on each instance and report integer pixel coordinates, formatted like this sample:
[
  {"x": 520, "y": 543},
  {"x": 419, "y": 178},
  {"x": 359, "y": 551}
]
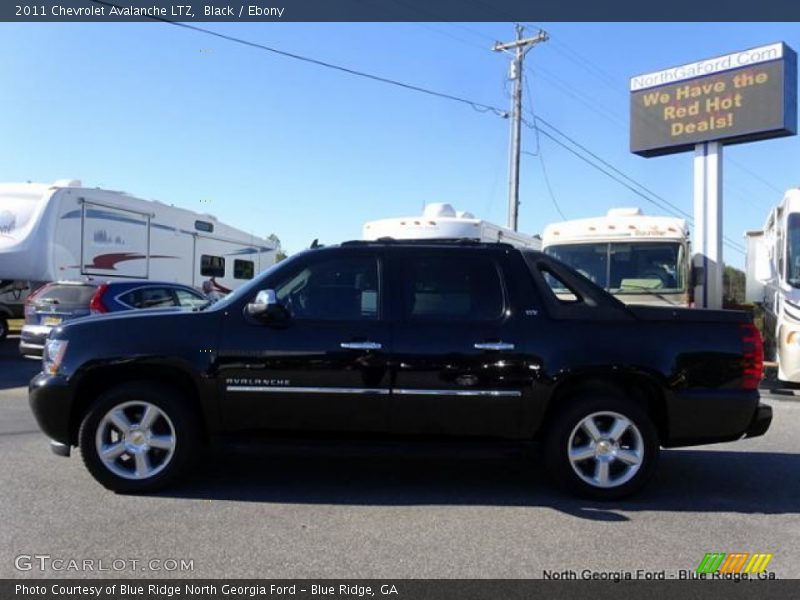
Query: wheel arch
[
  {"x": 638, "y": 386},
  {"x": 101, "y": 379}
]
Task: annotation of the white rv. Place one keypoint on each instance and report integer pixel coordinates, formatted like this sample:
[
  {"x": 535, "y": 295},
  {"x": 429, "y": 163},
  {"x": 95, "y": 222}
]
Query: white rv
[
  {"x": 442, "y": 221},
  {"x": 772, "y": 271},
  {"x": 67, "y": 231},
  {"x": 638, "y": 258}
]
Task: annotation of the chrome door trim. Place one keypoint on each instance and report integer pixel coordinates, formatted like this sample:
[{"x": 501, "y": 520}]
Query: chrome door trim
[
  {"x": 361, "y": 345},
  {"x": 306, "y": 390},
  {"x": 493, "y": 346},
  {"x": 491, "y": 393}
]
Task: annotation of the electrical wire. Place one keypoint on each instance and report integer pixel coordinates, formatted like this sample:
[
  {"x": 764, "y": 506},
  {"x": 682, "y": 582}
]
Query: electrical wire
[
  {"x": 619, "y": 179},
  {"x": 478, "y": 106},
  {"x": 547, "y": 182}
]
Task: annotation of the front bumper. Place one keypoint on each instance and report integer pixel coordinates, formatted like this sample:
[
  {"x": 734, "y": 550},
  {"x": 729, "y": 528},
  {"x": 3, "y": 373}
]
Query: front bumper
[
  {"x": 761, "y": 421},
  {"x": 50, "y": 399}
]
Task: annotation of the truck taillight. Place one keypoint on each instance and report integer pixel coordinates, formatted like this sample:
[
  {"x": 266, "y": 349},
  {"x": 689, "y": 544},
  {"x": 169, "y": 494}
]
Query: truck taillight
[
  {"x": 96, "y": 305},
  {"x": 753, "y": 357}
]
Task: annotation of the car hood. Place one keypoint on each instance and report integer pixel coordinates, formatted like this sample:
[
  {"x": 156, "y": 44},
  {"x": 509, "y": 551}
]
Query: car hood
[{"x": 126, "y": 319}]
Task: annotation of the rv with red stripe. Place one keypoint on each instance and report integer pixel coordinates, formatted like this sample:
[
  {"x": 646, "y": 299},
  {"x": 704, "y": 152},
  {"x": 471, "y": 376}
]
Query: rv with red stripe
[{"x": 64, "y": 230}]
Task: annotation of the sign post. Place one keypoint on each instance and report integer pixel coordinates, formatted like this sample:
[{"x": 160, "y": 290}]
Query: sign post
[
  {"x": 707, "y": 247},
  {"x": 741, "y": 97}
]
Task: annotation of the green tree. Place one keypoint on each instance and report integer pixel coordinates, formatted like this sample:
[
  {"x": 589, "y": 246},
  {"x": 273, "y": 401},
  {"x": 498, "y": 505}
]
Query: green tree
[
  {"x": 733, "y": 283},
  {"x": 276, "y": 241}
]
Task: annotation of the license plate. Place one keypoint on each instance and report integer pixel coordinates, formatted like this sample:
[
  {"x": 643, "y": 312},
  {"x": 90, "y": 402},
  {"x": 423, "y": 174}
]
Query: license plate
[{"x": 51, "y": 320}]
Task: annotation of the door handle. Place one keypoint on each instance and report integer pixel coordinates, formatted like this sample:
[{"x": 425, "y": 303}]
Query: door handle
[
  {"x": 494, "y": 346},
  {"x": 361, "y": 345}
]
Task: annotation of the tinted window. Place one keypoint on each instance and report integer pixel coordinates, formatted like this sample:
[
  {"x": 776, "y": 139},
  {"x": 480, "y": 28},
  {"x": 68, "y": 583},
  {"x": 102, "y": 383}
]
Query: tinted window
[
  {"x": 336, "y": 289},
  {"x": 66, "y": 294},
  {"x": 212, "y": 266},
  {"x": 204, "y": 226},
  {"x": 150, "y": 297},
  {"x": 452, "y": 288},
  {"x": 243, "y": 269}
]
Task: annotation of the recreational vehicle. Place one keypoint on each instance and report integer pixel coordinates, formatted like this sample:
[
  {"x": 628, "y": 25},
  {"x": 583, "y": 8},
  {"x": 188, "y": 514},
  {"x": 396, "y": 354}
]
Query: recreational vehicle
[
  {"x": 640, "y": 259},
  {"x": 67, "y": 231},
  {"x": 442, "y": 221},
  {"x": 772, "y": 271}
]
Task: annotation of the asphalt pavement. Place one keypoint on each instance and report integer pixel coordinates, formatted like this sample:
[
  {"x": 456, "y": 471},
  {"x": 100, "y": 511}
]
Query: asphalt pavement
[{"x": 314, "y": 513}]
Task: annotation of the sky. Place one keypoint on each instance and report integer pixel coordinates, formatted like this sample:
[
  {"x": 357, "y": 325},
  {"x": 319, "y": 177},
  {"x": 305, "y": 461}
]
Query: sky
[{"x": 273, "y": 145}]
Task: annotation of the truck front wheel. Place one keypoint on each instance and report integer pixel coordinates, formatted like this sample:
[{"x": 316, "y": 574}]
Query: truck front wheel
[
  {"x": 601, "y": 447},
  {"x": 138, "y": 437}
]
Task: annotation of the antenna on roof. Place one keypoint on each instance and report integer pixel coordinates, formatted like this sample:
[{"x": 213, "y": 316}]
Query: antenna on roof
[{"x": 315, "y": 243}]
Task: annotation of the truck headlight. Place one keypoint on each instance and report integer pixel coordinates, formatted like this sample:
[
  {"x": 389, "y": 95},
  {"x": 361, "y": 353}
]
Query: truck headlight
[{"x": 52, "y": 356}]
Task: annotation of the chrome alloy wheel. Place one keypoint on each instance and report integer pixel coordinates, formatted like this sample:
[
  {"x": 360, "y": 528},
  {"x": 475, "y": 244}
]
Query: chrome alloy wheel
[
  {"x": 606, "y": 449},
  {"x": 135, "y": 440}
]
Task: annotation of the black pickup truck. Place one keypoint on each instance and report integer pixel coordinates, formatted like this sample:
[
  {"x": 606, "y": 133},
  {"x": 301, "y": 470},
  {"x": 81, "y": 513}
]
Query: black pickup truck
[{"x": 405, "y": 340}]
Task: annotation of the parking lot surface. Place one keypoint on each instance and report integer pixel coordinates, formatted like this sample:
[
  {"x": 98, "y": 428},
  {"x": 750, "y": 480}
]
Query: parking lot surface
[{"x": 349, "y": 512}]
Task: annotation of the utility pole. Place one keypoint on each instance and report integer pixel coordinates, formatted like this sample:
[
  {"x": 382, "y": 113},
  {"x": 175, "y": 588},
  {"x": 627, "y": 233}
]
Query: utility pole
[{"x": 518, "y": 49}]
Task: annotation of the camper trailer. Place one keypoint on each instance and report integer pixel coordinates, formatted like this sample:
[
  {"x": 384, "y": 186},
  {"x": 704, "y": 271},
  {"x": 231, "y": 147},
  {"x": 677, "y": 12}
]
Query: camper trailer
[
  {"x": 442, "y": 221},
  {"x": 772, "y": 271},
  {"x": 59, "y": 231},
  {"x": 639, "y": 258}
]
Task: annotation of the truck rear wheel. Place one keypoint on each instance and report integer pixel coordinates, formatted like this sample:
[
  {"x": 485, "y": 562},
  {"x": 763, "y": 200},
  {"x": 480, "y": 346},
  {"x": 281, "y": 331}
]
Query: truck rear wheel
[
  {"x": 138, "y": 437},
  {"x": 602, "y": 447}
]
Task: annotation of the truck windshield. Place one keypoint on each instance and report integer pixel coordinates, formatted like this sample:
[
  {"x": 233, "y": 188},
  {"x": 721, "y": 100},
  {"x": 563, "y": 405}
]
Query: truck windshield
[
  {"x": 793, "y": 250},
  {"x": 629, "y": 267}
]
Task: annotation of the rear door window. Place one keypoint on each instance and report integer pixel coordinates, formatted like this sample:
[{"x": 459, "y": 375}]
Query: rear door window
[{"x": 451, "y": 288}]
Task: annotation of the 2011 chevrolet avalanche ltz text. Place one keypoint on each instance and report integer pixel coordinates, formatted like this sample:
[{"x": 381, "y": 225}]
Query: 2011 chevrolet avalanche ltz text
[{"x": 409, "y": 340}]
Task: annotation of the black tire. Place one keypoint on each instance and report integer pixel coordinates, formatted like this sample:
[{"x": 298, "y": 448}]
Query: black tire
[
  {"x": 3, "y": 328},
  {"x": 640, "y": 440},
  {"x": 174, "y": 416}
]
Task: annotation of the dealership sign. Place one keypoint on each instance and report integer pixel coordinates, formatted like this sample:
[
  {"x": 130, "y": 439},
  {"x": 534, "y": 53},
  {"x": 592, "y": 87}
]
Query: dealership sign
[{"x": 740, "y": 97}]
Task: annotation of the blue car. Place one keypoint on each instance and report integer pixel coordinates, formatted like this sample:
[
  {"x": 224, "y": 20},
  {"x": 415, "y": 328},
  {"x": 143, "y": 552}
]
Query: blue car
[{"x": 60, "y": 301}]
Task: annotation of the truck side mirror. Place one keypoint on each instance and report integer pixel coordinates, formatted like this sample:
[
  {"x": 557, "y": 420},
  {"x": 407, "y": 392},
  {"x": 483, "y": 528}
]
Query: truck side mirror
[{"x": 266, "y": 308}]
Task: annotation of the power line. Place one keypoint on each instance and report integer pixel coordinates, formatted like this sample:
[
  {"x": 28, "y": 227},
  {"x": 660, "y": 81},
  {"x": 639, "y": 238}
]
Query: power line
[
  {"x": 478, "y": 106},
  {"x": 619, "y": 179},
  {"x": 613, "y": 168},
  {"x": 547, "y": 182},
  {"x": 756, "y": 176}
]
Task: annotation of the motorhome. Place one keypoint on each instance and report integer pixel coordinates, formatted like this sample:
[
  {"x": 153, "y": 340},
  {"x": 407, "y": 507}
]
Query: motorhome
[
  {"x": 64, "y": 230},
  {"x": 772, "y": 277},
  {"x": 641, "y": 259},
  {"x": 441, "y": 221}
]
